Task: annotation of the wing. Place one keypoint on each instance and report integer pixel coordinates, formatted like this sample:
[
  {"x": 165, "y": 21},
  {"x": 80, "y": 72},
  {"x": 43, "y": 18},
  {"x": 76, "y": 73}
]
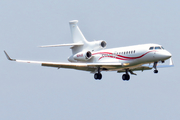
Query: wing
[
  {"x": 78, "y": 66},
  {"x": 92, "y": 66}
]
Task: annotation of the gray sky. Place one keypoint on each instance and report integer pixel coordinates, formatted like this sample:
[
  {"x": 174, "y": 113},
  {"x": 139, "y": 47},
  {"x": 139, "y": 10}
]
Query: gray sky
[{"x": 32, "y": 92}]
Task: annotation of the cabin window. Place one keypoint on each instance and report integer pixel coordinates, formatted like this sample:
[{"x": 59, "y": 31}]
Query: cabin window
[{"x": 123, "y": 53}]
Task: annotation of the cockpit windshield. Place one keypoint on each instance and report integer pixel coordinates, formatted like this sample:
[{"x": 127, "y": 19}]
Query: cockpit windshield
[
  {"x": 156, "y": 48},
  {"x": 151, "y": 48}
]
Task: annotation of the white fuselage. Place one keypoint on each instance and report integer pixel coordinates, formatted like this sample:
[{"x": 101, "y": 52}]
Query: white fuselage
[{"x": 130, "y": 56}]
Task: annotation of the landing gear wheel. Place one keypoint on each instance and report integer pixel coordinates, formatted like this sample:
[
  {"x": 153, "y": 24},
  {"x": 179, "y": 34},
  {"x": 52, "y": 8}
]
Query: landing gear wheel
[
  {"x": 98, "y": 76},
  {"x": 125, "y": 77},
  {"x": 155, "y": 71}
]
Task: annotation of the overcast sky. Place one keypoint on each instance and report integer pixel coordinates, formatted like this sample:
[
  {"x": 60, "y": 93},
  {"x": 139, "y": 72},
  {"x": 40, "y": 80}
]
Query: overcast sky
[{"x": 32, "y": 92}]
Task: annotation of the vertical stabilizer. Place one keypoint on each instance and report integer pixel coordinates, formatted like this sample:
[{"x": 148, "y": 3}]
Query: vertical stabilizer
[{"x": 76, "y": 33}]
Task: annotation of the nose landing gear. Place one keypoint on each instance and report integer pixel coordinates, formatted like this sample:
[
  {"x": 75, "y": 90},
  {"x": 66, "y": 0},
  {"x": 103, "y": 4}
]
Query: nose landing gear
[{"x": 155, "y": 67}]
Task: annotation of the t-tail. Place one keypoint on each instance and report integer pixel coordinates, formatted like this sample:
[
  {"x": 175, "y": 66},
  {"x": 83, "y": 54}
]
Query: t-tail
[
  {"x": 76, "y": 33},
  {"x": 81, "y": 48}
]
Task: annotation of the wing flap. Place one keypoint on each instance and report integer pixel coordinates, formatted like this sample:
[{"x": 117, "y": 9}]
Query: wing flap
[
  {"x": 78, "y": 65},
  {"x": 83, "y": 66},
  {"x": 140, "y": 68}
]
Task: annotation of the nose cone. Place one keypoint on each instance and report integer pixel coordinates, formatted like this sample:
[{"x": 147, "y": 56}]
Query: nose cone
[
  {"x": 164, "y": 55},
  {"x": 167, "y": 54}
]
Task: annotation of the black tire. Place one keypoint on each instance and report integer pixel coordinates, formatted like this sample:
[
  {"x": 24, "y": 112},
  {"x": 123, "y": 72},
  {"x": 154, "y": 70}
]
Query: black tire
[
  {"x": 127, "y": 77},
  {"x": 100, "y": 76},
  {"x": 95, "y": 76},
  {"x": 155, "y": 71},
  {"x": 124, "y": 77}
]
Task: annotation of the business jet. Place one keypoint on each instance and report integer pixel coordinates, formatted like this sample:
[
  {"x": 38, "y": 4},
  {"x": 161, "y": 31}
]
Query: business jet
[{"x": 93, "y": 57}]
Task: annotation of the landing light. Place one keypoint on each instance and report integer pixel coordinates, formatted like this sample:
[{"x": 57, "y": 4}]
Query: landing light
[{"x": 125, "y": 64}]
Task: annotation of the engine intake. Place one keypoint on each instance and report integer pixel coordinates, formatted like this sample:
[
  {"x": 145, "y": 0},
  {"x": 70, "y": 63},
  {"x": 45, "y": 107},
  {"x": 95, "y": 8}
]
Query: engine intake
[
  {"x": 88, "y": 55},
  {"x": 83, "y": 56},
  {"x": 103, "y": 44}
]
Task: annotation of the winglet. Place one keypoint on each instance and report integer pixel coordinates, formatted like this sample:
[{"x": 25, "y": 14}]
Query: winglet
[{"x": 9, "y": 57}]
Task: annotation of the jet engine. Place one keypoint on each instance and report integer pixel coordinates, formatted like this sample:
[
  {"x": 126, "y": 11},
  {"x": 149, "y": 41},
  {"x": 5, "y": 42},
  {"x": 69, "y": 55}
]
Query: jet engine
[
  {"x": 98, "y": 44},
  {"x": 103, "y": 44},
  {"x": 83, "y": 56}
]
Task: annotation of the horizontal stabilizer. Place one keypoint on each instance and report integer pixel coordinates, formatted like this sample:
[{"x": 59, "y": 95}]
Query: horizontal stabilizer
[
  {"x": 60, "y": 45},
  {"x": 161, "y": 66},
  {"x": 170, "y": 64}
]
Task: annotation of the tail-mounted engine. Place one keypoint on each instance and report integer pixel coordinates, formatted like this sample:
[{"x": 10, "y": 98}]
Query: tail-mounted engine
[
  {"x": 97, "y": 45},
  {"x": 103, "y": 44},
  {"x": 83, "y": 56}
]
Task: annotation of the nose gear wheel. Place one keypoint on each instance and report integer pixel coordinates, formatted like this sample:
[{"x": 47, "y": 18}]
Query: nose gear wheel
[{"x": 155, "y": 67}]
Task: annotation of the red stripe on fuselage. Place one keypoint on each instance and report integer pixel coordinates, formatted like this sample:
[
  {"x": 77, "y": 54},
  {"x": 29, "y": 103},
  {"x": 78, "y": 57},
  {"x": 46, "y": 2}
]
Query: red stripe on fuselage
[{"x": 120, "y": 57}]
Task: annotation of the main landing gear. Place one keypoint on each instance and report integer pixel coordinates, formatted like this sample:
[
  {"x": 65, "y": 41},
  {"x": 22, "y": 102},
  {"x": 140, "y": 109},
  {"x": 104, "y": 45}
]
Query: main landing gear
[
  {"x": 98, "y": 76},
  {"x": 155, "y": 67},
  {"x": 126, "y": 76}
]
